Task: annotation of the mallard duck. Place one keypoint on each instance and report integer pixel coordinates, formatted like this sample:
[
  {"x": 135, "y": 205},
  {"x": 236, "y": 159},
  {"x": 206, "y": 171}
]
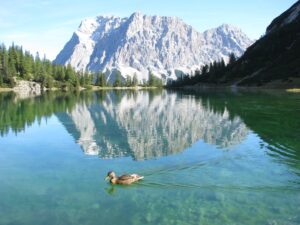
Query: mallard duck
[{"x": 124, "y": 179}]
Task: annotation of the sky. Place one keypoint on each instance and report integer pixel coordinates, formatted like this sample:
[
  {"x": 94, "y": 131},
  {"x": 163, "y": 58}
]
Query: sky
[{"x": 45, "y": 26}]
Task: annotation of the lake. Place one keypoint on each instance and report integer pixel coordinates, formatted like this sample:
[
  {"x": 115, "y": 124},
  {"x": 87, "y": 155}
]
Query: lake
[{"x": 208, "y": 157}]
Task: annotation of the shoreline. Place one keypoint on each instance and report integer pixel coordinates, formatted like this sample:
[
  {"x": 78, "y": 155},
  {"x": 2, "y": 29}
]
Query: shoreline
[
  {"x": 292, "y": 85},
  {"x": 208, "y": 87},
  {"x": 196, "y": 87},
  {"x": 98, "y": 88},
  {"x": 287, "y": 88},
  {"x": 93, "y": 88}
]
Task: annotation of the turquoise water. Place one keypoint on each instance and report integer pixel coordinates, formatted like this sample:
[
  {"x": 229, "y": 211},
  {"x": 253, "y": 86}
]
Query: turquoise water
[{"x": 207, "y": 158}]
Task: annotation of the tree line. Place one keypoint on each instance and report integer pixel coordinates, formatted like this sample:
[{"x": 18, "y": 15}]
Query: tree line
[
  {"x": 15, "y": 63},
  {"x": 129, "y": 81},
  {"x": 207, "y": 74}
]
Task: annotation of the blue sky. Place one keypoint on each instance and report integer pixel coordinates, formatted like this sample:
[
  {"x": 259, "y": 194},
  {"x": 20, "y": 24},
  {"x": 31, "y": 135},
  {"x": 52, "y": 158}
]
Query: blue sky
[{"x": 46, "y": 25}]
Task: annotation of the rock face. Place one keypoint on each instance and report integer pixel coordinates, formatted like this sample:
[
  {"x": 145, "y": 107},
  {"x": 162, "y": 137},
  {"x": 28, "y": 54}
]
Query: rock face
[
  {"x": 142, "y": 125},
  {"x": 26, "y": 89},
  {"x": 165, "y": 46}
]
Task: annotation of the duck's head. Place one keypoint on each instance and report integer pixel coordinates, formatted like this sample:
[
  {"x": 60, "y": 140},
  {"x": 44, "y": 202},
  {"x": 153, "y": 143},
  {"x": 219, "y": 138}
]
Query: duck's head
[{"x": 110, "y": 175}]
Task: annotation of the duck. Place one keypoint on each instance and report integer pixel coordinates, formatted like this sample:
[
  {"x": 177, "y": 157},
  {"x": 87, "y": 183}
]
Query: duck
[{"x": 125, "y": 179}]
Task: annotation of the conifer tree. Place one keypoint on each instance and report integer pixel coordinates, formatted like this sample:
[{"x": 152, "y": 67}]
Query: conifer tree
[
  {"x": 232, "y": 58},
  {"x": 134, "y": 80},
  {"x": 101, "y": 80},
  {"x": 128, "y": 82},
  {"x": 15, "y": 63},
  {"x": 117, "y": 82}
]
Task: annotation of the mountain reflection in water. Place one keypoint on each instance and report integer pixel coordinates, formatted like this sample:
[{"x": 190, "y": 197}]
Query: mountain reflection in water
[
  {"x": 143, "y": 125},
  {"x": 230, "y": 155},
  {"x": 147, "y": 124}
]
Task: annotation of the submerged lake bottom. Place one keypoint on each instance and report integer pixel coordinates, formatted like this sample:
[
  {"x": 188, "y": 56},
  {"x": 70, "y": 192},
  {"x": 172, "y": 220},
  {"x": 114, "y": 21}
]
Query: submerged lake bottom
[{"x": 208, "y": 157}]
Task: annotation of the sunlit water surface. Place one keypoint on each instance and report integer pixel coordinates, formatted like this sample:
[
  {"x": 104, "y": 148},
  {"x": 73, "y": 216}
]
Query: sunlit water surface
[{"x": 208, "y": 158}]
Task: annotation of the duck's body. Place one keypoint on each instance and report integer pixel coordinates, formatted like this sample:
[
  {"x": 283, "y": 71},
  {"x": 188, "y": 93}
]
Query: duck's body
[{"x": 124, "y": 179}]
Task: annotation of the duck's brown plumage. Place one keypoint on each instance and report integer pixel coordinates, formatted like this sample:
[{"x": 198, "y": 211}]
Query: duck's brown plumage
[{"x": 124, "y": 179}]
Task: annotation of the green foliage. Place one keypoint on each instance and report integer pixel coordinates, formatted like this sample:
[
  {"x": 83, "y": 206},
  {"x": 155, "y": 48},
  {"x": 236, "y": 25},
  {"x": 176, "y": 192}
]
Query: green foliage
[
  {"x": 49, "y": 82},
  {"x": 6, "y": 65},
  {"x": 274, "y": 57},
  {"x": 153, "y": 81},
  {"x": 14, "y": 62},
  {"x": 134, "y": 80},
  {"x": 131, "y": 82},
  {"x": 101, "y": 80},
  {"x": 23, "y": 112},
  {"x": 128, "y": 81},
  {"x": 209, "y": 73},
  {"x": 118, "y": 81}
]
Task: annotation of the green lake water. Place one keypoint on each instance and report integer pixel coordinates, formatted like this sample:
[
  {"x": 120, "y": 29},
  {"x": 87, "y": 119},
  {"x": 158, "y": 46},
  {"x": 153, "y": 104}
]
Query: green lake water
[{"x": 207, "y": 157}]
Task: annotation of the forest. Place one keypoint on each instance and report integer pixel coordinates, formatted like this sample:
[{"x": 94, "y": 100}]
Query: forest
[
  {"x": 16, "y": 63},
  {"x": 208, "y": 74}
]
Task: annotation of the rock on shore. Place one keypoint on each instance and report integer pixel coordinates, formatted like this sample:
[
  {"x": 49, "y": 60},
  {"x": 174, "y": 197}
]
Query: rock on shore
[{"x": 26, "y": 89}]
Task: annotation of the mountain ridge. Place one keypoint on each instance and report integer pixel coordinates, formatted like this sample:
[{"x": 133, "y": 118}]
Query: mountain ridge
[
  {"x": 271, "y": 62},
  {"x": 166, "y": 46}
]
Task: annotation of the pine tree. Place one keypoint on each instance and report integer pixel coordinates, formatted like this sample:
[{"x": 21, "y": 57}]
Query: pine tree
[
  {"x": 154, "y": 81},
  {"x": 128, "y": 82},
  {"x": 82, "y": 81},
  {"x": 98, "y": 81},
  {"x": 232, "y": 58},
  {"x": 59, "y": 73},
  {"x": 37, "y": 67},
  {"x": 204, "y": 70},
  {"x": 49, "y": 82},
  {"x": 88, "y": 78},
  {"x": 134, "y": 80},
  {"x": 2, "y": 52},
  {"x": 14, "y": 62},
  {"x": 27, "y": 66},
  {"x": 151, "y": 79},
  {"x": 117, "y": 82},
  {"x": 101, "y": 80},
  {"x": 71, "y": 77},
  {"x": 12, "y": 71},
  {"x": 4, "y": 66}
]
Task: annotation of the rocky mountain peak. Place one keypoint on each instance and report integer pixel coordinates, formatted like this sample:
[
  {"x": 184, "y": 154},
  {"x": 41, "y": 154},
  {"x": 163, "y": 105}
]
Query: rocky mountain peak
[{"x": 166, "y": 46}]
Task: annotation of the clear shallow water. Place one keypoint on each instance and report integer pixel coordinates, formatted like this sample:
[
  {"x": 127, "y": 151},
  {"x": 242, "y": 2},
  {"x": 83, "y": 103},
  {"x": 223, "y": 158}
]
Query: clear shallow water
[{"x": 207, "y": 158}]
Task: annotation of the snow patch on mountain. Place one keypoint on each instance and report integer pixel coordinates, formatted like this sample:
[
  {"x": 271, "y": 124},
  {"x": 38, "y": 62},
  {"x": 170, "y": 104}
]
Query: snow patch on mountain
[{"x": 166, "y": 46}]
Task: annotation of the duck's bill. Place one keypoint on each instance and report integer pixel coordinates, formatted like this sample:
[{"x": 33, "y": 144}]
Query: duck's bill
[{"x": 107, "y": 178}]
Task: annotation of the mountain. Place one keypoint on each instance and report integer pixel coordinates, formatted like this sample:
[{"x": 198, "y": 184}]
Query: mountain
[
  {"x": 143, "y": 125},
  {"x": 166, "y": 46},
  {"x": 272, "y": 61}
]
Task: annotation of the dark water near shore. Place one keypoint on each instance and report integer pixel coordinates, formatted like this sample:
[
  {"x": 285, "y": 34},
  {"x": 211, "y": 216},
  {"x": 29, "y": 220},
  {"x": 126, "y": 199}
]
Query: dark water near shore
[{"x": 207, "y": 157}]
